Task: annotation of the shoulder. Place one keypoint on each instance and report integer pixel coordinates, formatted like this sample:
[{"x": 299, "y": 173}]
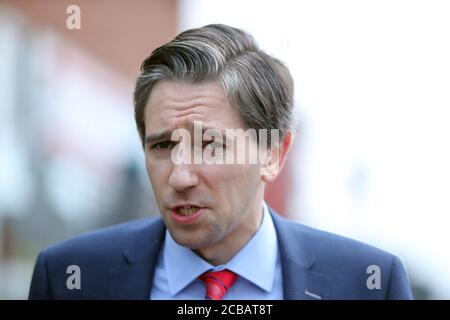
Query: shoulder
[
  {"x": 346, "y": 262},
  {"x": 95, "y": 255}
]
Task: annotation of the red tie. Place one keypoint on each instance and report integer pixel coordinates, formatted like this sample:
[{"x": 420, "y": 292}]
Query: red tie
[{"x": 217, "y": 283}]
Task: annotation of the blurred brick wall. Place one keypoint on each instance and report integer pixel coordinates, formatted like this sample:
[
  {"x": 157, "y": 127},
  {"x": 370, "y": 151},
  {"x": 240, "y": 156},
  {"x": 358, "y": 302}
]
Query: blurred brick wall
[{"x": 121, "y": 33}]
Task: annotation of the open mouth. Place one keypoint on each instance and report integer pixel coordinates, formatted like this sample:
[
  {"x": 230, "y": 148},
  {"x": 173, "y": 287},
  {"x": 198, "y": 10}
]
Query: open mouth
[
  {"x": 187, "y": 210},
  {"x": 187, "y": 214}
]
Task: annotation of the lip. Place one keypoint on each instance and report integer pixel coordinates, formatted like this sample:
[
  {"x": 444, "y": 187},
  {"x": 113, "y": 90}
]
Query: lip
[{"x": 187, "y": 219}]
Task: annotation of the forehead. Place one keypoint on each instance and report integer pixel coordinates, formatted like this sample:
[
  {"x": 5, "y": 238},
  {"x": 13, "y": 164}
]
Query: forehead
[{"x": 176, "y": 104}]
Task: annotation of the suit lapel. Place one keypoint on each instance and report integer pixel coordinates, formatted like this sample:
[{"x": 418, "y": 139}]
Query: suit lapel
[
  {"x": 134, "y": 279},
  {"x": 300, "y": 282}
]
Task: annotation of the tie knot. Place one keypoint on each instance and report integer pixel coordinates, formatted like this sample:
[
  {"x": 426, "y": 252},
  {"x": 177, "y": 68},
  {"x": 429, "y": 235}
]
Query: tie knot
[{"x": 217, "y": 283}]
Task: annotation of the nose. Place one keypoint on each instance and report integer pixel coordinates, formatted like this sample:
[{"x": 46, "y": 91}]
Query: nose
[{"x": 183, "y": 177}]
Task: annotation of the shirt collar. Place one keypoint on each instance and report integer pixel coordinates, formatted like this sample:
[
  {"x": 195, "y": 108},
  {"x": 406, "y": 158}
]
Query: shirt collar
[{"x": 183, "y": 266}]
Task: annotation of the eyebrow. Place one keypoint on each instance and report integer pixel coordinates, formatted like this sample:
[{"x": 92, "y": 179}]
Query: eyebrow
[
  {"x": 167, "y": 134},
  {"x": 158, "y": 136}
]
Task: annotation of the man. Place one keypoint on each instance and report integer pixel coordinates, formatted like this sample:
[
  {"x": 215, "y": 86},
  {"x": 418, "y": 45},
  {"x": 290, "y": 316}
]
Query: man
[{"x": 217, "y": 238}]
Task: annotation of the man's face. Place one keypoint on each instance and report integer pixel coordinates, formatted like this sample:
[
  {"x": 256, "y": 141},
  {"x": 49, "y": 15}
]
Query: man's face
[{"x": 201, "y": 204}]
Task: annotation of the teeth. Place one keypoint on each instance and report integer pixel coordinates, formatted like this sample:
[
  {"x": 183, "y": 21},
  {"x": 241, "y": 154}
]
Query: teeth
[{"x": 187, "y": 210}]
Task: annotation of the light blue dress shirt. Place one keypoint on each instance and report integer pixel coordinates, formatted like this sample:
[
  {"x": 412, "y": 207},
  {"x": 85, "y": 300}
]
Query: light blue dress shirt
[{"x": 258, "y": 265}]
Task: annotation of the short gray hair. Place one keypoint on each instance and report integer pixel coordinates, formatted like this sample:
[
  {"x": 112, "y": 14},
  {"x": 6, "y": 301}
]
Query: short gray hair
[{"x": 257, "y": 85}]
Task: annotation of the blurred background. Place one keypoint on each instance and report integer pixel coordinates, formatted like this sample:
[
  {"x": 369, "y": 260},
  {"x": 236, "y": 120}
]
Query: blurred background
[{"x": 371, "y": 158}]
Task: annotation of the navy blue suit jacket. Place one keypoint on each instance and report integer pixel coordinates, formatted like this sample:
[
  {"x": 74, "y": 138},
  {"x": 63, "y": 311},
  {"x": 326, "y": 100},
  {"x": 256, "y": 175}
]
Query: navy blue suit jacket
[{"x": 119, "y": 262}]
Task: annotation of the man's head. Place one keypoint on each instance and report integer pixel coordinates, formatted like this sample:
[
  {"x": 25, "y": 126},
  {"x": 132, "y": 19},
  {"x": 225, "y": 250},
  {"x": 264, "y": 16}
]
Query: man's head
[{"x": 218, "y": 76}]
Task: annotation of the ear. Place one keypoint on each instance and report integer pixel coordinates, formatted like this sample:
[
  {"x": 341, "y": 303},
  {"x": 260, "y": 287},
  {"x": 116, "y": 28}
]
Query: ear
[{"x": 276, "y": 158}]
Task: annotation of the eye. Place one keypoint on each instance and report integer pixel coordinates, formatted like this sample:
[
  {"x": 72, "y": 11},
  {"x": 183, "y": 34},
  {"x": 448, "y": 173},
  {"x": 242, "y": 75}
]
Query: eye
[
  {"x": 164, "y": 145},
  {"x": 215, "y": 148},
  {"x": 213, "y": 144},
  {"x": 217, "y": 144},
  {"x": 206, "y": 142}
]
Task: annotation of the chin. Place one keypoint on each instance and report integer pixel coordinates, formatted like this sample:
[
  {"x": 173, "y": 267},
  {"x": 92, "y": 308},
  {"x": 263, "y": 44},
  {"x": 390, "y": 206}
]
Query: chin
[{"x": 191, "y": 242}]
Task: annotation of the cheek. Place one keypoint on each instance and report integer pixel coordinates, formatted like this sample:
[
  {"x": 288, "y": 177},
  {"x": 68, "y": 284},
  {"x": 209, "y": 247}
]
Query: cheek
[
  {"x": 232, "y": 181},
  {"x": 150, "y": 168},
  {"x": 158, "y": 173}
]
